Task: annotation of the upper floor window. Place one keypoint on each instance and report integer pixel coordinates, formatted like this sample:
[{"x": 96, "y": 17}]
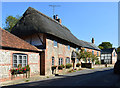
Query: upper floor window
[
  {"x": 60, "y": 61},
  {"x": 53, "y": 60},
  {"x": 85, "y": 50},
  {"x": 76, "y": 49},
  {"x": 68, "y": 47},
  {"x": 92, "y": 52},
  {"x": 55, "y": 43},
  {"x": 67, "y": 60},
  {"x": 97, "y": 53},
  {"x": 19, "y": 59},
  {"x": 114, "y": 54}
]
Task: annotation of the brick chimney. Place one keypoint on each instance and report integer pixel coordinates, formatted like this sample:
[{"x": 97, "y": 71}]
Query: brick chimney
[
  {"x": 93, "y": 41},
  {"x": 55, "y": 17}
]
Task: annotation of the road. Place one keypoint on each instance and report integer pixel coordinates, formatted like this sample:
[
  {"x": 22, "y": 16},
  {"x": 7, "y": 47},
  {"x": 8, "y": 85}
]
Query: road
[{"x": 84, "y": 78}]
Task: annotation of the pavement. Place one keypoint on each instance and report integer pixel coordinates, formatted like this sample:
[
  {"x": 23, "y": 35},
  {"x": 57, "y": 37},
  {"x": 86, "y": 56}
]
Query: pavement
[{"x": 99, "y": 77}]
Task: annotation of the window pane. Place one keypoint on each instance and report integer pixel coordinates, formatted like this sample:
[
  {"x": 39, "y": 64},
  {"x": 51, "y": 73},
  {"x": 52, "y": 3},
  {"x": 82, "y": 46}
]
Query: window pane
[
  {"x": 24, "y": 57},
  {"x": 68, "y": 47},
  {"x": 52, "y": 60},
  {"x": 55, "y": 43},
  {"x": 59, "y": 61},
  {"x": 67, "y": 60},
  {"x": 15, "y": 65},
  {"x": 24, "y": 61},
  {"x": 76, "y": 49},
  {"x": 15, "y": 61},
  {"x": 15, "y": 57}
]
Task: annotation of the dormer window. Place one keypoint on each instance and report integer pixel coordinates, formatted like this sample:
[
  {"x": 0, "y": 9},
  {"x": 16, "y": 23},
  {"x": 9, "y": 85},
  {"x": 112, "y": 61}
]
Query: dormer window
[{"x": 55, "y": 43}]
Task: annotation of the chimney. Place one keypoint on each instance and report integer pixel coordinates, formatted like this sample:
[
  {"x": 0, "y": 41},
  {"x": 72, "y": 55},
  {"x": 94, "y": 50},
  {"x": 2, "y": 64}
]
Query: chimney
[
  {"x": 59, "y": 20},
  {"x": 93, "y": 41},
  {"x": 56, "y": 17}
]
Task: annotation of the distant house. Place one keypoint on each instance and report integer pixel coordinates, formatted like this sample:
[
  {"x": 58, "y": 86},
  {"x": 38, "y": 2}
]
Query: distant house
[
  {"x": 108, "y": 56},
  {"x": 15, "y": 51},
  {"x": 57, "y": 42}
]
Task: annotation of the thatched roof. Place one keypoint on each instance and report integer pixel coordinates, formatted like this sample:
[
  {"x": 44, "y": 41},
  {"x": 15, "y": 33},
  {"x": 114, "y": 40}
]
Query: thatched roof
[{"x": 34, "y": 21}]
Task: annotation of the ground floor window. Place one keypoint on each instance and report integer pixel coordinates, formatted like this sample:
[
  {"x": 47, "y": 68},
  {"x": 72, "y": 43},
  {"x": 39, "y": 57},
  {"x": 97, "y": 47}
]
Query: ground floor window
[
  {"x": 60, "y": 61},
  {"x": 77, "y": 60},
  {"x": 53, "y": 60},
  {"x": 67, "y": 60},
  {"x": 19, "y": 59}
]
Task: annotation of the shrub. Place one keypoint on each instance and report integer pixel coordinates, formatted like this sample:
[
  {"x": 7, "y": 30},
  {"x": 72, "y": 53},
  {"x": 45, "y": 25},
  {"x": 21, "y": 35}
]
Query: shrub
[
  {"x": 68, "y": 65},
  {"x": 61, "y": 66},
  {"x": 78, "y": 64},
  {"x": 53, "y": 67},
  {"x": 97, "y": 62}
]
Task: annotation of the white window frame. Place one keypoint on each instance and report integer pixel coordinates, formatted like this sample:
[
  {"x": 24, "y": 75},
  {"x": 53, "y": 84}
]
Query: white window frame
[
  {"x": 18, "y": 60},
  {"x": 55, "y": 43},
  {"x": 68, "y": 47},
  {"x": 67, "y": 60},
  {"x": 60, "y": 61}
]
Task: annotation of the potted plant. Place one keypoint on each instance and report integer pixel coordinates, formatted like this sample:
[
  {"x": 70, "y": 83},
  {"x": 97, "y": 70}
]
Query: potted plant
[
  {"x": 53, "y": 67},
  {"x": 68, "y": 65},
  {"x": 61, "y": 66},
  {"x": 78, "y": 65}
]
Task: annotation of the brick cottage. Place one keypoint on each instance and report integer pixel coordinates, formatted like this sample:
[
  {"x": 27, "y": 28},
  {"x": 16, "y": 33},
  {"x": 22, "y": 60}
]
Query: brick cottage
[
  {"x": 14, "y": 51},
  {"x": 56, "y": 41}
]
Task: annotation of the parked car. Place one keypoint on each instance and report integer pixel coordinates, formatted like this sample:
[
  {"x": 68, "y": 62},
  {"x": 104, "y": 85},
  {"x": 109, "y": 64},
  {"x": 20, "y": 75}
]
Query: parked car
[{"x": 117, "y": 67}]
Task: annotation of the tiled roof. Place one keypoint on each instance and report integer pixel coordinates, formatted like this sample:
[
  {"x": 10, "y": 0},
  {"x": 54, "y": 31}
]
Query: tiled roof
[
  {"x": 110, "y": 50},
  {"x": 12, "y": 41}
]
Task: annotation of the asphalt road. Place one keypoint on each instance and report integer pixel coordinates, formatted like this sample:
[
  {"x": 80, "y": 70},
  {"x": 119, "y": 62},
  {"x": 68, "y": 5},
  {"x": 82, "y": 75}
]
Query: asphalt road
[{"x": 93, "y": 78}]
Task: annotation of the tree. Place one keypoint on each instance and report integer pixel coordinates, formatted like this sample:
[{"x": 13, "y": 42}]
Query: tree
[
  {"x": 11, "y": 21},
  {"x": 84, "y": 55},
  {"x": 105, "y": 45},
  {"x": 118, "y": 49}
]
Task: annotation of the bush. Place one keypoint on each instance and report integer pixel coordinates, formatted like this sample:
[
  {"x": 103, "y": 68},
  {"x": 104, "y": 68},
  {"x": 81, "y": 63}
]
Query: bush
[
  {"x": 68, "y": 65},
  {"x": 78, "y": 65},
  {"x": 97, "y": 62},
  {"x": 53, "y": 67},
  {"x": 61, "y": 66}
]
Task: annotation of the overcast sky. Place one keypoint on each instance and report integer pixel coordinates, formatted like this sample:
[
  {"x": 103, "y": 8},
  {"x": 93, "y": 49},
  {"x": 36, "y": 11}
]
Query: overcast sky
[{"x": 84, "y": 19}]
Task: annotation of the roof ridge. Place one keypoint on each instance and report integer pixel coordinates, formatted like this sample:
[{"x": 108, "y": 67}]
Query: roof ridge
[{"x": 48, "y": 18}]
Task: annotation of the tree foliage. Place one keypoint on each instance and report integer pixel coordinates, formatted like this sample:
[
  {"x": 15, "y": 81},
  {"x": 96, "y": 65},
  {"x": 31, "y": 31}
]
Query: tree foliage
[
  {"x": 105, "y": 45},
  {"x": 84, "y": 55},
  {"x": 10, "y": 22}
]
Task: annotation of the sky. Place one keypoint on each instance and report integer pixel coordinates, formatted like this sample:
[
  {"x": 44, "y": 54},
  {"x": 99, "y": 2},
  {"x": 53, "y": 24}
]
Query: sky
[{"x": 86, "y": 20}]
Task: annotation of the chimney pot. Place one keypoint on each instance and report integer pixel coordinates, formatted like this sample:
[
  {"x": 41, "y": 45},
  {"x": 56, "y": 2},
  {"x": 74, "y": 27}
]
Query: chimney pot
[
  {"x": 93, "y": 41},
  {"x": 54, "y": 17}
]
